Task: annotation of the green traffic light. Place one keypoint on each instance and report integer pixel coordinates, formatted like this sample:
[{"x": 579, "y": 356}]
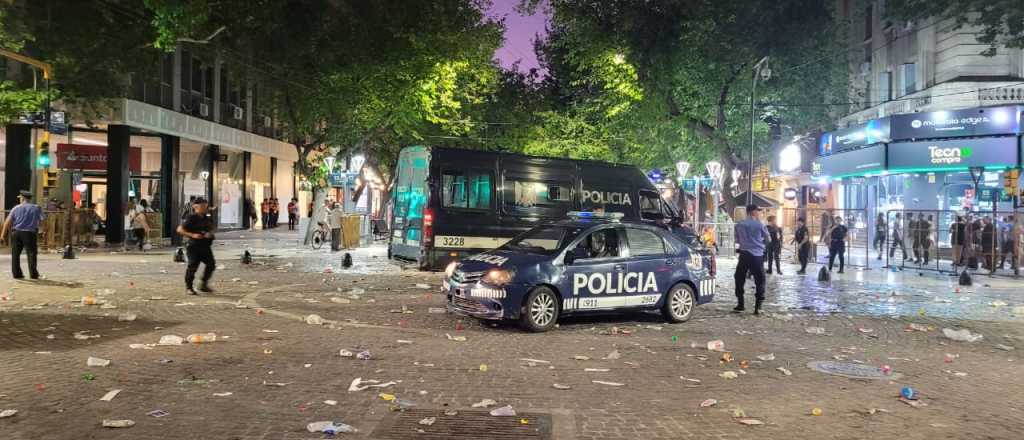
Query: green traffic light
[{"x": 44, "y": 160}]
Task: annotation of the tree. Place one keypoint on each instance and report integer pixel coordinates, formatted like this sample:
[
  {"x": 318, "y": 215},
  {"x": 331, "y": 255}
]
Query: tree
[
  {"x": 999, "y": 21},
  {"x": 672, "y": 78}
]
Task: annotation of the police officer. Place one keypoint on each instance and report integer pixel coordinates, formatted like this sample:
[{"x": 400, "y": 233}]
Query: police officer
[
  {"x": 751, "y": 236},
  {"x": 198, "y": 228},
  {"x": 24, "y": 219},
  {"x": 802, "y": 240}
]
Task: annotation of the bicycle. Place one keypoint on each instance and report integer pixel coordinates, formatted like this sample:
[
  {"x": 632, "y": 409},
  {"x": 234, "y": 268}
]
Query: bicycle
[{"x": 320, "y": 235}]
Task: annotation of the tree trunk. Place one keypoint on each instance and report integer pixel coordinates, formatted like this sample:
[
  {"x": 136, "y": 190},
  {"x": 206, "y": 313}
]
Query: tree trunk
[{"x": 319, "y": 195}]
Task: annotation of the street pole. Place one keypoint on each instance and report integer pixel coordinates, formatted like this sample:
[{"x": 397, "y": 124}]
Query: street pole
[{"x": 753, "y": 96}]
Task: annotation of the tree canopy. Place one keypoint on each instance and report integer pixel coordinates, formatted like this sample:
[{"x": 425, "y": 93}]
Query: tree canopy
[{"x": 999, "y": 21}]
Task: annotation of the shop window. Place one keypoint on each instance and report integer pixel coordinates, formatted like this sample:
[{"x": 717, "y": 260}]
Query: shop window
[
  {"x": 466, "y": 190},
  {"x": 909, "y": 78}
]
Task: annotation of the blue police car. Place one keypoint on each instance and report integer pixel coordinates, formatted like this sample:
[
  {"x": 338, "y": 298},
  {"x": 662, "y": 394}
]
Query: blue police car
[{"x": 587, "y": 263}]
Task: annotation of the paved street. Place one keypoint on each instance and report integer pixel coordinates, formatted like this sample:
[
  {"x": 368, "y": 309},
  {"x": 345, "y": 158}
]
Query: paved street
[{"x": 281, "y": 370}]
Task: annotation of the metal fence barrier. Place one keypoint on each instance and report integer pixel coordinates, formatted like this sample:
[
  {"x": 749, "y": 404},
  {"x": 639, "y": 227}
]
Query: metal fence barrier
[{"x": 989, "y": 241}]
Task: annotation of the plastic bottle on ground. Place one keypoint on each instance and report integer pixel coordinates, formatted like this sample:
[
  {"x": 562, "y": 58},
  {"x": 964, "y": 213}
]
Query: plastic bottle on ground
[{"x": 200, "y": 338}]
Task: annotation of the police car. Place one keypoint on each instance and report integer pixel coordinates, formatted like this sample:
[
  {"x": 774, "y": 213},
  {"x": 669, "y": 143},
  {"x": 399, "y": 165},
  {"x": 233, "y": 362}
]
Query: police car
[{"x": 588, "y": 263}]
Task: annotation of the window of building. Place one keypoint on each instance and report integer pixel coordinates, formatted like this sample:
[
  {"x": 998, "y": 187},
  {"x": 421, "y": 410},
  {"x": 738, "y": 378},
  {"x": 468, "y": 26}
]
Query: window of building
[
  {"x": 868, "y": 15},
  {"x": 643, "y": 242},
  {"x": 186, "y": 70},
  {"x": 909, "y": 78},
  {"x": 466, "y": 189},
  {"x": 867, "y": 93},
  {"x": 885, "y": 86},
  {"x": 197, "y": 76}
]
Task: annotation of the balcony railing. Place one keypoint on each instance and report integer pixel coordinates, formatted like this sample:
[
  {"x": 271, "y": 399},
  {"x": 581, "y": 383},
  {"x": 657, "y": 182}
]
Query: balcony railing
[{"x": 1000, "y": 95}]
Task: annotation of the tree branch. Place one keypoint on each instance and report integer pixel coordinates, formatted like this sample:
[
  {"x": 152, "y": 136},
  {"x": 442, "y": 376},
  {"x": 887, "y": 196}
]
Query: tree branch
[{"x": 723, "y": 95}]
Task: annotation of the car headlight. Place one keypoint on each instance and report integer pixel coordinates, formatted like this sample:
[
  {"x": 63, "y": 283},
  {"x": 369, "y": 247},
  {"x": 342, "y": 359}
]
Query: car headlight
[
  {"x": 450, "y": 270},
  {"x": 498, "y": 277}
]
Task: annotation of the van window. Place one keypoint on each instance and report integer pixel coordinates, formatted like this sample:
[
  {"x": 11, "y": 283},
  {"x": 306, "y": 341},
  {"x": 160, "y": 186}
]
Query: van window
[
  {"x": 650, "y": 205},
  {"x": 643, "y": 242},
  {"x": 466, "y": 189},
  {"x": 527, "y": 194}
]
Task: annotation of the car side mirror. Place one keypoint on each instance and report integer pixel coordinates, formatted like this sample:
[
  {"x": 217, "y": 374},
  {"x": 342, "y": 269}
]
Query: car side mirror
[{"x": 570, "y": 258}]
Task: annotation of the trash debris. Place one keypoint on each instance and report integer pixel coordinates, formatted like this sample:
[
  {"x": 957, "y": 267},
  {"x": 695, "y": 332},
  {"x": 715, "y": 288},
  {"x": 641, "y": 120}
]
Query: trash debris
[
  {"x": 596, "y": 370},
  {"x": 358, "y": 384},
  {"x": 815, "y": 330},
  {"x": 536, "y": 361},
  {"x": 689, "y": 379},
  {"x": 908, "y": 393},
  {"x": 1004, "y": 347},
  {"x": 505, "y": 411},
  {"x": 345, "y": 353},
  {"x": 728, "y": 375},
  {"x": 428, "y": 421},
  {"x": 915, "y": 327},
  {"x": 225, "y": 394},
  {"x": 126, "y": 317},
  {"x": 611, "y": 384},
  {"x": 330, "y": 428},
  {"x": 451, "y": 412},
  {"x": 118, "y": 423},
  {"x": 276, "y": 384},
  {"x": 97, "y": 362},
  {"x": 404, "y": 341},
  {"x": 363, "y": 355},
  {"x": 170, "y": 340},
  {"x": 750, "y": 422},
  {"x": 913, "y": 403},
  {"x": 962, "y": 335},
  {"x": 202, "y": 338},
  {"x": 581, "y": 358},
  {"x": 998, "y": 303},
  {"x": 766, "y": 357},
  {"x": 82, "y": 336},
  {"x": 437, "y": 310},
  {"x": 314, "y": 320},
  {"x": 88, "y": 377},
  {"x": 340, "y": 300},
  {"x": 559, "y": 386},
  {"x": 90, "y": 301},
  {"x": 613, "y": 355},
  {"x": 455, "y": 338},
  {"x": 886, "y": 370},
  {"x": 158, "y": 413},
  {"x": 817, "y": 412},
  {"x": 865, "y": 330},
  {"x": 8, "y": 413},
  {"x": 483, "y": 368},
  {"x": 716, "y": 345},
  {"x": 726, "y": 358},
  {"x": 422, "y": 286},
  {"x": 949, "y": 358},
  {"x": 708, "y": 403},
  {"x": 110, "y": 395},
  {"x": 485, "y": 403},
  {"x": 253, "y": 283}
]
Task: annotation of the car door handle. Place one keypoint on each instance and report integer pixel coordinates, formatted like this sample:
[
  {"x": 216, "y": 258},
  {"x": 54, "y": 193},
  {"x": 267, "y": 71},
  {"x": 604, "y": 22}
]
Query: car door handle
[
  {"x": 620, "y": 267},
  {"x": 670, "y": 262}
]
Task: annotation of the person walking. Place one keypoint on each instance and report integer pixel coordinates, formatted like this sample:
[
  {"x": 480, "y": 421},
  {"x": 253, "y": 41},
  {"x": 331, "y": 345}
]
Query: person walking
[
  {"x": 250, "y": 208},
  {"x": 915, "y": 237},
  {"x": 897, "y": 238},
  {"x": 140, "y": 224},
  {"x": 837, "y": 245},
  {"x": 199, "y": 228},
  {"x": 264, "y": 214},
  {"x": 924, "y": 228},
  {"x": 293, "y": 214},
  {"x": 335, "y": 217},
  {"x": 988, "y": 244},
  {"x": 957, "y": 233},
  {"x": 23, "y": 225},
  {"x": 275, "y": 212},
  {"x": 773, "y": 250},
  {"x": 1006, "y": 241},
  {"x": 802, "y": 240},
  {"x": 750, "y": 235},
  {"x": 880, "y": 230}
]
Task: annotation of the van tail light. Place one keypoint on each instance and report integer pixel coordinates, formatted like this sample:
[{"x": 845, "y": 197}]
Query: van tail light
[
  {"x": 714, "y": 263},
  {"x": 428, "y": 228}
]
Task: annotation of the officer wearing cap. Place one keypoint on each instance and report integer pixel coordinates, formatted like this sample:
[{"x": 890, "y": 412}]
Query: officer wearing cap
[
  {"x": 198, "y": 228},
  {"x": 751, "y": 236},
  {"x": 24, "y": 219}
]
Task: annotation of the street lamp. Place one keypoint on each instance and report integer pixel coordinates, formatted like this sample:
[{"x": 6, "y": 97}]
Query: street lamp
[
  {"x": 765, "y": 73},
  {"x": 329, "y": 161}
]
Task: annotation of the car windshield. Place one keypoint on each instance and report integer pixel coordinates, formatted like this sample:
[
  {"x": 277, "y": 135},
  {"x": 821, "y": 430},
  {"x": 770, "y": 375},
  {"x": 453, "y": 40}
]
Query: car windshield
[{"x": 542, "y": 239}]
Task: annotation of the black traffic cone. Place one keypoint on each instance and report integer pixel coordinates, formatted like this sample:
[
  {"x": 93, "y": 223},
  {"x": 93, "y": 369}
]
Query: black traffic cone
[
  {"x": 346, "y": 261},
  {"x": 179, "y": 256},
  {"x": 247, "y": 258},
  {"x": 965, "y": 278},
  {"x": 69, "y": 252}
]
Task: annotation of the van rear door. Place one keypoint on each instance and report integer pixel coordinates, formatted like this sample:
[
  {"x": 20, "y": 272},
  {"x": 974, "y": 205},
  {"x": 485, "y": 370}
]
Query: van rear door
[{"x": 409, "y": 198}]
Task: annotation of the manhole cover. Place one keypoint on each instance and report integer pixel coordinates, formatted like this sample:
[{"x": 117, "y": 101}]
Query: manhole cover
[
  {"x": 464, "y": 425},
  {"x": 851, "y": 370}
]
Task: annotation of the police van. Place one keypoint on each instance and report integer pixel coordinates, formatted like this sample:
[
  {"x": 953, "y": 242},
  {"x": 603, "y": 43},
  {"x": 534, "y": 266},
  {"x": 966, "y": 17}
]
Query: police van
[
  {"x": 447, "y": 203},
  {"x": 587, "y": 263}
]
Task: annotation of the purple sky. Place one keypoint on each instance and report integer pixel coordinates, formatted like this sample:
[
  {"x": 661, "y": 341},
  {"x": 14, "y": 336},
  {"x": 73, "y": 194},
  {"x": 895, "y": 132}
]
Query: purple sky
[{"x": 520, "y": 32}]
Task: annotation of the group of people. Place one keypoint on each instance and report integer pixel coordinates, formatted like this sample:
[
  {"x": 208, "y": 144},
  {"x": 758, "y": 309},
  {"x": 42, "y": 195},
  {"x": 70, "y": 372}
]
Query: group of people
[
  {"x": 981, "y": 239},
  {"x": 270, "y": 212},
  {"x": 835, "y": 235},
  {"x": 136, "y": 223},
  {"x": 919, "y": 232}
]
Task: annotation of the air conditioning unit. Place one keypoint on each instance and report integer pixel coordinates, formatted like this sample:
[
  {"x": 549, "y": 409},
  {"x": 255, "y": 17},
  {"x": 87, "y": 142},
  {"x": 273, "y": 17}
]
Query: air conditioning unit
[
  {"x": 239, "y": 113},
  {"x": 865, "y": 68},
  {"x": 204, "y": 110}
]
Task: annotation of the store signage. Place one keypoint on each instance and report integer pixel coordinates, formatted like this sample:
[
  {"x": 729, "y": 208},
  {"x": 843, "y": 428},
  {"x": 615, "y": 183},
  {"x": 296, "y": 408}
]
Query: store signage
[
  {"x": 986, "y": 121},
  {"x": 93, "y": 157},
  {"x": 851, "y": 163},
  {"x": 855, "y": 136},
  {"x": 958, "y": 153}
]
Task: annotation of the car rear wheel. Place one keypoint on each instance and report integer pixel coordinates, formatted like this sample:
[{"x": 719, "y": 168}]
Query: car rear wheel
[
  {"x": 679, "y": 303},
  {"x": 540, "y": 312}
]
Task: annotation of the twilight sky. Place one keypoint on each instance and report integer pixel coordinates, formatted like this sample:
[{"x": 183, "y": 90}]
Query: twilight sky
[{"x": 520, "y": 32}]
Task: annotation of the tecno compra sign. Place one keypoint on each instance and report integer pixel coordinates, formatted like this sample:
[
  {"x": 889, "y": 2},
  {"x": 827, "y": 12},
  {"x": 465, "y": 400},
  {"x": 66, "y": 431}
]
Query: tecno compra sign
[{"x": 993, "y": 153}]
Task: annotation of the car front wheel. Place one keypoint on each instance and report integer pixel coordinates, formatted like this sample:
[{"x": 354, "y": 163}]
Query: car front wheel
[
  {"x": 679, "y": 304},
  {"x": 540, "y": 312}
]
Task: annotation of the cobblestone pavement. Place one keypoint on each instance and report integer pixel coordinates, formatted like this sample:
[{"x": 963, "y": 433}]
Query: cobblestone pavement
[{"x": 377, "y": 306}]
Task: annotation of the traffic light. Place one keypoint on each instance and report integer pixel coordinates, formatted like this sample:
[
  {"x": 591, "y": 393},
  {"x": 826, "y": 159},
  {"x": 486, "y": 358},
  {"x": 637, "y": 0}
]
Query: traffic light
[{"x": 44, "y": 155}]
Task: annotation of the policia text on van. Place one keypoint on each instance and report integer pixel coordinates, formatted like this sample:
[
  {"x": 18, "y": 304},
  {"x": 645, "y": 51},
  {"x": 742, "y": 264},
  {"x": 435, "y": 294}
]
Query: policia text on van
[{"x": 450, "y": 203}]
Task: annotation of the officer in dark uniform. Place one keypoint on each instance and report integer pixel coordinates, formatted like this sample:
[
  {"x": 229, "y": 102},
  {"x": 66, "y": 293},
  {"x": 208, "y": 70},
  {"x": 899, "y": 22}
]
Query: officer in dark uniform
[{"x": 198, "y": 228}]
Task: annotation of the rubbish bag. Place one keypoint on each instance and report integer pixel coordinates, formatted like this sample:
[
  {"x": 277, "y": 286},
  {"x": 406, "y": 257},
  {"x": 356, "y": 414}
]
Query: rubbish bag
[{"x": 824, "y": 275}]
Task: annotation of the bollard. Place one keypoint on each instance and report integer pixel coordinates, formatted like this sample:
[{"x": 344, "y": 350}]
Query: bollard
[
  {"x": 965, "y": 278},
  {"x": 179, "y": 256},
  {"x": 69, "y": 252},
  {"x": 346, "y": 261},
  {"x": 247, "y": 258}
]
